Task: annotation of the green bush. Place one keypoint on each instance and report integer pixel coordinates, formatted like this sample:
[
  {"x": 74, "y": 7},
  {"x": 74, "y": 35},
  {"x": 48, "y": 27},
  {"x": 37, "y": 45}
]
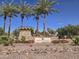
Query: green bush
[
  {"x": 6, "y": 43},
  {"x": 5, "y": 40},
  {"x": 1, "y": 31},
  {"x": 23, "y": 39},
  {"x": 51, "y": 31},
  {"x": 76, "y": 41},
  {"x": 16, "y": 33},
  {"x": 68, "y": 31}
]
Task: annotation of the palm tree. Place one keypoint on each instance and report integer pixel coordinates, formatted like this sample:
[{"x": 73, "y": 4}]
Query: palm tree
[
  {"x": 46, "y": 7},
  {"x": 24, "y": 10},
  {"x": 36, "y": 13},
  {"x": 4, "y": 14},
  {"x": 11, "y": 11}
]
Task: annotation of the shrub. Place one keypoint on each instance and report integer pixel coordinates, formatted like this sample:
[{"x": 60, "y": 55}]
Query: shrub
[
  {"x": 76, "y": 41},
  {"x": 68, "y": 31},
  {"x": 6, "y": 43},
  {"x": 16, "y": 33},
  {"x": 23, "y": 39},
  {"x": 1, "y": 31},
  {"x": 51, "y": 31},
  {"x": 59, "y": 41},
  {"x": 5, "y": 40},
  {"x": 17, "y": 41}
]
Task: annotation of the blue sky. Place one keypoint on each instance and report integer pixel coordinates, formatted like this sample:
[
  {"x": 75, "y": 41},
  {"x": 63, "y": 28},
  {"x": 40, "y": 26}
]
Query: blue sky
[{"x": 68, "y": 14}]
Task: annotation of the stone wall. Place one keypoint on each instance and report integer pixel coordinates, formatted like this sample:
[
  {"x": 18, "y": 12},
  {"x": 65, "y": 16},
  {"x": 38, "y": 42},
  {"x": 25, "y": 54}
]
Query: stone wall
[{"x": 26, "y": 34}]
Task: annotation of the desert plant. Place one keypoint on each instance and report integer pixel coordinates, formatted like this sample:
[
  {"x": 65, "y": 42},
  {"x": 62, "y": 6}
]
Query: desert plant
[
  {"x": 68, "y": 31},
  {"x": 16, "y": 33},
  {"x": 23, "y": 39},
  {"x": 1, "y": 31},
  {"x": 51, "y": 31},
  {"x": 5, "y": 40},
  {"x": 76, "y": 41}
]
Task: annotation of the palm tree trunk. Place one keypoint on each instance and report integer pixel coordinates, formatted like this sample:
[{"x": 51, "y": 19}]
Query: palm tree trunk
[
  {"x": 4, "y": 24},
  {"x": 36, "y": 26},
  {"x": 37, "y": 19},
  {"x": 9, "y": 25},
  {"x": 44, "y": 24},
  {"x": 22, "y": 21}
]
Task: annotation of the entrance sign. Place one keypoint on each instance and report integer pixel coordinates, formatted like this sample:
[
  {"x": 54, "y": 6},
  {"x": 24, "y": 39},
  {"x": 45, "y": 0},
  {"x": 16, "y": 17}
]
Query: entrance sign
[{"x": 42, "y": 40}]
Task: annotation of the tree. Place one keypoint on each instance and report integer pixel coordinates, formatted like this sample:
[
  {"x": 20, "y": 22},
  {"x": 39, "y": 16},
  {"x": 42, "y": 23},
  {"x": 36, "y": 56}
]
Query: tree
[
  {"x": 68, "y": 31},
  {"x": 46, "y": 7},
  {"x": 51, "y": 31},
  {"x": 1, "y": 31},
  {"x": 24, "y": 11},
  {"x": 36, "y": 13},
  {"x": 3, "y": 13},
  {"x": 11, "y": 11}
]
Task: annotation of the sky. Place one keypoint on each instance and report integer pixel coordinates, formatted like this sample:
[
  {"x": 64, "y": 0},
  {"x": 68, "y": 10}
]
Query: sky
[{"x": 68, "y": 14}]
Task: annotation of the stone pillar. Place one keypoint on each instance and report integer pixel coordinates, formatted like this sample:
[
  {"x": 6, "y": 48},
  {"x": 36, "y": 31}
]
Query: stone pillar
[{"x": 26, "y": 34}]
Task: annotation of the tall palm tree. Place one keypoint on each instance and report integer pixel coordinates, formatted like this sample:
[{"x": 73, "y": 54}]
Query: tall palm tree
[
  {"x": 46, "y": 7},
  {"x": 10, "y": 10},
  {"x": 24, "y": 11},
  {"x": 36, "y": 13},
  {"x": 4, "y": 14}
]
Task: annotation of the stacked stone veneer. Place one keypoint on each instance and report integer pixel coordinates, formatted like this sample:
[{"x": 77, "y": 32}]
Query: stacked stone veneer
[{"x": 26, "y": 34}]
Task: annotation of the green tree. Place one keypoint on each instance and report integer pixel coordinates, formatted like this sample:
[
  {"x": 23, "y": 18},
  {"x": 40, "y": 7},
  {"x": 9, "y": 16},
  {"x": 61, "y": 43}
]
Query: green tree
[
  {"x": 36, "y": 12},
  {"x": 51, "y": 31},
  {"x": 3, "y": 13},
  {"x": 68, "y": 31},
  {"x": 46, "y": 7},
  {"x": 10, "y": 10},
  {"x": 1, "y": 31},
  {"x": 24, "y": 11}
]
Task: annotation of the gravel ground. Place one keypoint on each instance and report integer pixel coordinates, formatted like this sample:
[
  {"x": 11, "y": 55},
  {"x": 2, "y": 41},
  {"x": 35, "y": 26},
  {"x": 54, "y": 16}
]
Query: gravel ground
[{"x": 39, "y": 51}]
